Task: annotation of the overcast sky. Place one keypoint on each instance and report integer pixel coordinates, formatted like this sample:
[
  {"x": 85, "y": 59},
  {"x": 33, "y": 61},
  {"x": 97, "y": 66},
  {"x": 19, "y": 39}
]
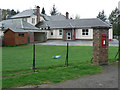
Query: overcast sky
[{"x": 84, "y": 8}]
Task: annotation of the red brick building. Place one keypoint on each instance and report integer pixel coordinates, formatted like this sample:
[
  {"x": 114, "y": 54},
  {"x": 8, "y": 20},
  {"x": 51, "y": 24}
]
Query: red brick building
[{"x": 13, "y": 37}]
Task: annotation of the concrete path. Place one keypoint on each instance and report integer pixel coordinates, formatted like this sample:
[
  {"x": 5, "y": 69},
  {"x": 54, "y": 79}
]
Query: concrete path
[
  {"x": 75, "y": 43},
  {"x": 107, "y": 79}
]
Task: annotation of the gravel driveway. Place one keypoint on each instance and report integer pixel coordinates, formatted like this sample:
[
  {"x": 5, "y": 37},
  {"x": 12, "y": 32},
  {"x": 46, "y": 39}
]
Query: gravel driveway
[
  {"x": 114, "y": 42},
  {"x": 107, "y": 79}
]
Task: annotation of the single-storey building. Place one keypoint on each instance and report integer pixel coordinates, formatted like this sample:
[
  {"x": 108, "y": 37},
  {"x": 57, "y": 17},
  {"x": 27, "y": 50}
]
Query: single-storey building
[
  {"x": 73, "y": 29},
  {"x": 58, "y": 27},
  {"x": 20, "y": 29},
  {"x": 13, "y": 37}
]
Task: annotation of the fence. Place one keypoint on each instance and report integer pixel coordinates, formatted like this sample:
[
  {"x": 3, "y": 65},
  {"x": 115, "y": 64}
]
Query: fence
[{"x": 19, "y": 59}]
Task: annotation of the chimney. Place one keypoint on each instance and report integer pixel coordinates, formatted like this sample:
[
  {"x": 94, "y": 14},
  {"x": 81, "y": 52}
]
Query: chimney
[
  {"x": 38, "y": 14},
  {"x": 67, "y": 15}
]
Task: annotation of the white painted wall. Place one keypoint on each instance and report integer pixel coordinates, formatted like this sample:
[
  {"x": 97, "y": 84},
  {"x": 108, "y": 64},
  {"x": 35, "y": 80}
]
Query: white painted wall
[
  {"x": 80, "y": 36},
  {"x": 42, "y": 19},
  {"x": 1, "y": 33},
  {"x": 55, "y": 34},
  {"x": 90, "y": 35},
  {"x": 29, "y": 20},
  {"x": 110, "y": 33}
]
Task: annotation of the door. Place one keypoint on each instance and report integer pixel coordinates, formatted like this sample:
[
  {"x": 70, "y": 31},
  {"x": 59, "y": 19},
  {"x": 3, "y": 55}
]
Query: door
[
  {"x": 28, "y": 39},
  {"x": 68, "y": 35}
]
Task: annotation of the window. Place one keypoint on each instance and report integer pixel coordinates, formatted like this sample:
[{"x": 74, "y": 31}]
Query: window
[
  {"x": 60, "y": 32},
  {"x": 85, "y": 32},
  {"x": 21, "y": 35},
  {"x": 33, "y": 20},
  {"x": 51, "y": 33},
  {"x": 48, "y": 28}
]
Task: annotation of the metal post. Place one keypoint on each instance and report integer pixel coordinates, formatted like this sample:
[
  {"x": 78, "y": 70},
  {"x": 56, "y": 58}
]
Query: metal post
[
  {"x": 119, "y": 33},
  {"x": 34, "y": 57},
  {"x": 66, "y": 62},
  {"x": 117, "y": 54},
  {"x": 119, "y": 45}
]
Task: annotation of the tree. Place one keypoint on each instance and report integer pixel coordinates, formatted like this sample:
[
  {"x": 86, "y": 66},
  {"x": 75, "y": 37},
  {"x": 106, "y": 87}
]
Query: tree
[
  {"x": 13, "y": 12},
  {"x": 43, "y": 11},
  {"x": 17, "y": 12},
  {"x": 7, "y": 13},
  {"x": 113, "y": 19},
  {"x": 4, "y": 14},
  {"x": 77, "y": 17},
  {"x": 54, "y": 11},
  {"x": 113, "y": 16},
  {"x": 102, "y": 16}
]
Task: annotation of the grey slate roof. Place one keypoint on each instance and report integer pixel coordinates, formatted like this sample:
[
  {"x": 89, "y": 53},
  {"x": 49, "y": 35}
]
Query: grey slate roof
[
  {"x": 46, "y": 17},
  {"x": 54, "y": 17},
  {"x": 30, "y": 12},
  {"x": 17, "y": 24},
  {"x": 75, "y": 23},
  {"x": 57, "y": 17},
  {"x": 22, "y": 30},
  {"x": 26, "y": 13},
  {"x": 18, "y": 30}
]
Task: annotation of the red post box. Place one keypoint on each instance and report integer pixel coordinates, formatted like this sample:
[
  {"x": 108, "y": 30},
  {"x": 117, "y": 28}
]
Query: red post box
[{"x": 103, "y": 40}]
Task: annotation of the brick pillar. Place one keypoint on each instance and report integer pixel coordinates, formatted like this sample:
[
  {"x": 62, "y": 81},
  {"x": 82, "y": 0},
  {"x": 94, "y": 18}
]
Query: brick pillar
[{"x": 100, "y": 53}]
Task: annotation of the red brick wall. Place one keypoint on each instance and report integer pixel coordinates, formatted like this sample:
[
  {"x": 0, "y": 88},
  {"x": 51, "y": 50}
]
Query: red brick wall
[
  {"x": 64, "y": 33},
  {"x": 74, "y": 34},
  {"x": 31, "y": 35},
  {"x": 21, "y": 40},
  {"x": 9, "y": 38},
  {"x": 68, "y": 30},
  {"x": 45, "y": 36},
  {"x": 38, "y": 14}
]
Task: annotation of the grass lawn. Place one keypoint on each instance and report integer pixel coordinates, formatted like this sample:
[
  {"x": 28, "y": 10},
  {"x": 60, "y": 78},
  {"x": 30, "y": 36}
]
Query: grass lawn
[{"x": 17, "y": 64}]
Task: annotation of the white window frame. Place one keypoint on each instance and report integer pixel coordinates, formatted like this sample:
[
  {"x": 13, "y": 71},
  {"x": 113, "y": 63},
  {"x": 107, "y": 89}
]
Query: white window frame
[
  {"x": 60, "y": 33},
  {"x": 85, "y": 32},
  {"x": 68, "y": 35},
  {"x": 33, "y": 20},
  {"x": 51, "y": 33}
]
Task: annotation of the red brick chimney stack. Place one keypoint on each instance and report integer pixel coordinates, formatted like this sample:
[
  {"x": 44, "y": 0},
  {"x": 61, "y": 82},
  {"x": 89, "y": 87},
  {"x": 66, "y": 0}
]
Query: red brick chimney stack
[
  {"x": 67, "y": 15},
  {"x": 38, "y": 14}
]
